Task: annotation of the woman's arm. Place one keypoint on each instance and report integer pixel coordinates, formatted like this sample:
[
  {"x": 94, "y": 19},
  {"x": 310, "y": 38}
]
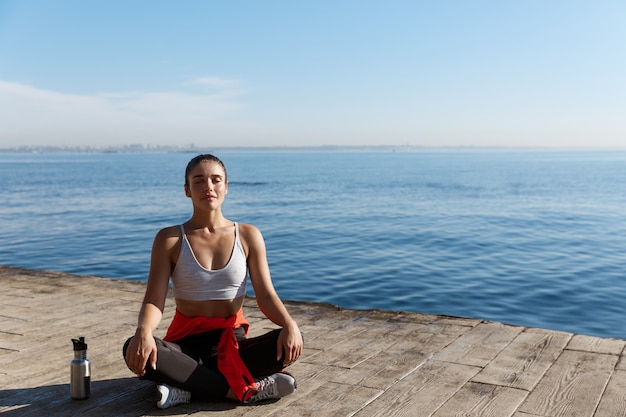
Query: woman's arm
[
  {"x": 290, "y": 340},
  {"x": 142, "y": 346}
]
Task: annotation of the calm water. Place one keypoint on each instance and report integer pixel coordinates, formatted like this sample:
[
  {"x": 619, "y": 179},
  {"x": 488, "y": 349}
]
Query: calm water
[{"x": 524, "y": 237}]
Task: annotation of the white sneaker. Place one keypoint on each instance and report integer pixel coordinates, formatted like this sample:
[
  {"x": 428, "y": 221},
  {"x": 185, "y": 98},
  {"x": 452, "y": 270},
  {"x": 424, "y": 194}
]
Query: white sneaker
[
  {"x": 273, "y": 387},
  {"x": 171, "y": 396}
]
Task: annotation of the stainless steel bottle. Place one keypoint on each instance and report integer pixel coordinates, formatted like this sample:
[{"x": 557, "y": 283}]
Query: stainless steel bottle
[{"x": 80, "y": 370}]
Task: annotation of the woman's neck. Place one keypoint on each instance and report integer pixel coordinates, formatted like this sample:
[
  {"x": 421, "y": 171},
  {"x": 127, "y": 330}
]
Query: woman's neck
[{"x": 210, "y": 220}]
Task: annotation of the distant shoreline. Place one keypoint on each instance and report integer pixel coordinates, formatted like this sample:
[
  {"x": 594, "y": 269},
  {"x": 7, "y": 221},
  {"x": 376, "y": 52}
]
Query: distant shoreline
[{"x": 139, "y": 148}]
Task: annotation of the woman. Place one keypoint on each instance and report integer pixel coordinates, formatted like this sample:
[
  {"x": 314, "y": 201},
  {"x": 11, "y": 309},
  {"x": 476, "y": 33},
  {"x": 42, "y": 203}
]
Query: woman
[{"x": 205, "y": 353}]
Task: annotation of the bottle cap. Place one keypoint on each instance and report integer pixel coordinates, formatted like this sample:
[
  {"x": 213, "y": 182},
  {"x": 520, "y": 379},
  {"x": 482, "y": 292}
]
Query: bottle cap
[{"x": 79, "y": 344}]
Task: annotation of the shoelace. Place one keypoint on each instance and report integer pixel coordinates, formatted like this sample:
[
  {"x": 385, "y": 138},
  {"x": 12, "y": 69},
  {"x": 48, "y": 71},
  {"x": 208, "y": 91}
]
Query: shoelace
[{"x": 266, "y": 388}]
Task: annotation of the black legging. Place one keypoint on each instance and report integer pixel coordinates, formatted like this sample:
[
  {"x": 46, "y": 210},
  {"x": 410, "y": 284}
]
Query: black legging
[{"x": 191, "y": 362}]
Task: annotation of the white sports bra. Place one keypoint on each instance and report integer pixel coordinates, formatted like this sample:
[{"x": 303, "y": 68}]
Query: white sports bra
[{"x": 191, "y": 281}]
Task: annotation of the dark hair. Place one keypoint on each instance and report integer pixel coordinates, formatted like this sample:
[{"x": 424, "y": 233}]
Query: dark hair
[{"x": 207, "y": 157}]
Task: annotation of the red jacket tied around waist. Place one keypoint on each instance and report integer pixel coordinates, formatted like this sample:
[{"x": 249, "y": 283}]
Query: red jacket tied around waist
[{"x": 229, "y": 362}]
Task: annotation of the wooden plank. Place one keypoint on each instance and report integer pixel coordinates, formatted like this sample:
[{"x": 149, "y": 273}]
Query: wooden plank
[
  {"x": 456, "y": 321},
  {"x": 572, "y": 387},
  {"x": 522, "y": 363},
  {"x": 383, "y": 370},
  {"x": 328, "y": 400},
  {"x": 369, "y": 340},
  {"x": 339, "y": 334},
  {"x": 596, "y": 344},
  {"x": 422, "y": 392},
  {"x": 448, "y": 326},
  {"x": 613, "y": 403},
  {"x": 404, "y": 355},
  {"x": 483, "y": 400},
  {"x": 480, "y": 344},
  {"x": 9, "y": 341}
]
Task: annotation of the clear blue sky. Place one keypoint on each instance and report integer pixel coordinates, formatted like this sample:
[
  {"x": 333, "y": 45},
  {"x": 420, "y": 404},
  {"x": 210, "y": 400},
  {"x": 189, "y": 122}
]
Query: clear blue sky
[{"x": 266, "y": 73}]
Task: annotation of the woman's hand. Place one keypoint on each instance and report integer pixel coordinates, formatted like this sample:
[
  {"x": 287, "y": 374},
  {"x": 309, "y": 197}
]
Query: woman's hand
[
  {"x": 142, "y": 348},
  {"x": 289, "y": 345}
]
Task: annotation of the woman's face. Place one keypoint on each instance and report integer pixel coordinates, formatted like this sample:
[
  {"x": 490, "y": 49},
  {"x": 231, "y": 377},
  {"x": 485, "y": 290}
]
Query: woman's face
[{"x": 207, "y": 184}]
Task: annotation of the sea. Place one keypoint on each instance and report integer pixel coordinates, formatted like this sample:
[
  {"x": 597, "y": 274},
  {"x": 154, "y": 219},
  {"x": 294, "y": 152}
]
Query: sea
[{"x": 530, "y": 237}]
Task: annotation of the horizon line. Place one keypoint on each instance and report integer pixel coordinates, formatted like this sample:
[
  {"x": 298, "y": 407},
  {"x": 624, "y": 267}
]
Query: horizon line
[{"x": 191, "y": 148}]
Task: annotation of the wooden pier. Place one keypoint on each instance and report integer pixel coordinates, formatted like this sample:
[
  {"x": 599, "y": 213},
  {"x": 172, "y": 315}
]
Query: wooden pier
[{"x": 355, "y": 363}]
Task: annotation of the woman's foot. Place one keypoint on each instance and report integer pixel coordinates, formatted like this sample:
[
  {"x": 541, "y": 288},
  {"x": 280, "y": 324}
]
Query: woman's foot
[
  {"x": 273, "y": 387},
  {"x": 171, "y": 396}
]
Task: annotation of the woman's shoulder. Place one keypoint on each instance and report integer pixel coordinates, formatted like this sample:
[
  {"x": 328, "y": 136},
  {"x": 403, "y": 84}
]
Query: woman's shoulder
[
  {"x": 170, "y": 231},
  {"x": 167, "y": 241},
  {"x": 250, "y": 236},
  {"x": 168, "y": 234},
  {"x": 248, "y": 230}
]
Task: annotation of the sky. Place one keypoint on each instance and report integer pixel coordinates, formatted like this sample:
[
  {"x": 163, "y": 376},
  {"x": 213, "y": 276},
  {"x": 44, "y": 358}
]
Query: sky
[{"x": 307, "y": 73}]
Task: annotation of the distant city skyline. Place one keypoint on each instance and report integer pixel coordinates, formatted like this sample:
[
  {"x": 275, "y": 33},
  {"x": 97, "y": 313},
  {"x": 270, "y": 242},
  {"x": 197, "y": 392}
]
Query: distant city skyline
[
  {"x": 218, "y": 148},
  {"x": 308, "y": 74}
]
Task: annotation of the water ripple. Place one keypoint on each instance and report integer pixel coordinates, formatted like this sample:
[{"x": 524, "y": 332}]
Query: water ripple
[{"x": 530, "y": 238}]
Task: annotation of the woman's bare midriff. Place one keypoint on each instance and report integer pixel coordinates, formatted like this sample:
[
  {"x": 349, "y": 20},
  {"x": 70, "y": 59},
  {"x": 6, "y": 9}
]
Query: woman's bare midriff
[{"x": 209, "y": 308}]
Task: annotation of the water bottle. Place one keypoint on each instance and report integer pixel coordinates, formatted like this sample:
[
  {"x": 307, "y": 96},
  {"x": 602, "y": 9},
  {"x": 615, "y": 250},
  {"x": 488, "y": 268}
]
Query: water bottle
[{"x": 80, "y": 367}]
